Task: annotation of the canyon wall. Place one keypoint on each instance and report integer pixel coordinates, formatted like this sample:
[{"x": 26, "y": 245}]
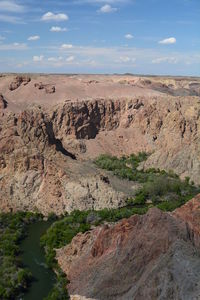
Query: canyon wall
[{"x": 46, "y": 150}]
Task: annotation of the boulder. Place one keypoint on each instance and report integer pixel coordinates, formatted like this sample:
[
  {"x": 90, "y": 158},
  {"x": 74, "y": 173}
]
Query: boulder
[{"x": 19, "y": 80}]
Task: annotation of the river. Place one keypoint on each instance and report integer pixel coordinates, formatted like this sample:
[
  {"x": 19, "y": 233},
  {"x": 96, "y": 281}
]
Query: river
[{"x": 34, "y": 259}]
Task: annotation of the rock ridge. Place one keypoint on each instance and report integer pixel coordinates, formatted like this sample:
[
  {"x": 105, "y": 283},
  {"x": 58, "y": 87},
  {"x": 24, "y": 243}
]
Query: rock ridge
[{"x": 143, "y": 257}]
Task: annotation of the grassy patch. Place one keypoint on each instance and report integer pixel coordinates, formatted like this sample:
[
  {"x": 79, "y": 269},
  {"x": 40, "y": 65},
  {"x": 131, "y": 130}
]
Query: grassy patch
[
  {"x": 163, "y": 189},
  {"x": 124, "y": 167}
]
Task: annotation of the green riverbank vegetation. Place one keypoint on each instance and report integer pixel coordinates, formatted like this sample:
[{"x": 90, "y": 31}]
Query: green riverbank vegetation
[
  {"x": 14, "y": 278},
  {"x": 158, "y": 188}
]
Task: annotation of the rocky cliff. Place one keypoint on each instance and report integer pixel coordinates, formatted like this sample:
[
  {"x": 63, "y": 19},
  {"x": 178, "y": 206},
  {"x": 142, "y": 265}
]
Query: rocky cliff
[
  {"x": 46, "y": 146},
  {"x": 167, "y": 127},
  {"x": 155, "y": 256},
  {"x": 37, "y": 172}
]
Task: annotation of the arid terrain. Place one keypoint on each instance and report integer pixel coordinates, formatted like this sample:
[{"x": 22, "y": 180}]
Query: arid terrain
[{"x": 52, "y": 127}]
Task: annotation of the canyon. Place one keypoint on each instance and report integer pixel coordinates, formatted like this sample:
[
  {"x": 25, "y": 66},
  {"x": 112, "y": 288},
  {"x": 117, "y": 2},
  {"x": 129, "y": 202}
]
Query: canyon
[{"x": 53, "y": 127}]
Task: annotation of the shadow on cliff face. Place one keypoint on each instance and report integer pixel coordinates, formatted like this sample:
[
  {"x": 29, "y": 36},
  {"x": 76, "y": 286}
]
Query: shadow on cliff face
[
  {"x": 57, "y": 142},
  {"x": 89, "y": 131},
  {"x": 60, "y": 148},
  {"x": 3, "y": 102},
  {"x": 89, "y": 124}
]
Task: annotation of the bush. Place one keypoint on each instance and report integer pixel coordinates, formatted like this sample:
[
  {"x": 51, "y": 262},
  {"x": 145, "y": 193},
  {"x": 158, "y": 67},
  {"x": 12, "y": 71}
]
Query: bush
[
  {"x": 169, "y": 205},
  {"x": 140, "y": 198},
  {"x": 158, "y": 185},
  {"x": 110, "y": 163}
]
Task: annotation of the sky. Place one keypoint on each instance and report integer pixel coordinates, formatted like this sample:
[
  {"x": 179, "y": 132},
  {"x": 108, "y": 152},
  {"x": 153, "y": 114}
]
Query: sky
[{"x": 157, "y": 37}]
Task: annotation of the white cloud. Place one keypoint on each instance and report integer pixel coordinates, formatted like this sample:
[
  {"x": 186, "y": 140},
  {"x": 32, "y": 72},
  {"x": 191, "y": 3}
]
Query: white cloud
[
  {"x": 70, "y": 59},
  {"x": 49, "y": 16},
  {"x": 55, "y": 59},
  {"x": 128, "y": 36},
  {"x": 170, "y": 60},
  {"x": 109, "y": 59},
  {"x": 66, "y": 46},
  {"x": 11, "y": 6},
  {"x": 38, "y": 58},
  {"x": 126, "y": 59},
  {"x": 107, "y": 8},
  {"x": 14, "y": 46},
  {"x": 34, "y": 38},
  {"x": 168, "y": 41},
  {"x": 58, "y": 29},
  {"x": 103, "y": 1},
  {"x": 11, "y": 19},
  {"x": 59, "y": 61}
]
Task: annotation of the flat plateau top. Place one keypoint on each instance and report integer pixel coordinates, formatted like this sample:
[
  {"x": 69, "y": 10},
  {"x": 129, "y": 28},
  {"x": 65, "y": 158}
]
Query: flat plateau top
[{"x": 78, "y": 87}]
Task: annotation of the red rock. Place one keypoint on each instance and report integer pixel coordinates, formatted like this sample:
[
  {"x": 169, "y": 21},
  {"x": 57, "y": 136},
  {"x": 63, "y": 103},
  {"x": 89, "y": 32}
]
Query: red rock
[
  {"x": 142, "y": 257},
  {"x": 190, "y": 213}
]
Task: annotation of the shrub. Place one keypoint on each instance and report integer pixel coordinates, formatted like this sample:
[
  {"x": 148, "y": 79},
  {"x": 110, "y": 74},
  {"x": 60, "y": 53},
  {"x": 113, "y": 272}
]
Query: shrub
[
  {"x": 158, "y": 185},
  {"x": 140, "y": 198}
]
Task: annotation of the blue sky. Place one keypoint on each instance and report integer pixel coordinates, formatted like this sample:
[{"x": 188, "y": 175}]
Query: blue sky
[{"x": 97, "y": 36}]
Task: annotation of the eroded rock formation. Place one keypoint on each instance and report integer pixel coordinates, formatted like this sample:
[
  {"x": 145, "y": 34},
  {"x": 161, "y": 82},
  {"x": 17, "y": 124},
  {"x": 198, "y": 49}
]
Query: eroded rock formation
[
  {"x": 43, "y": 143},
  {"x": 123, "y": 127},
  {"x": 49, "y": 89},
  {"x": 144, "y": 257},
  {"x": 36, "y": 174},
  {"x": 18, "y": 80}
]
